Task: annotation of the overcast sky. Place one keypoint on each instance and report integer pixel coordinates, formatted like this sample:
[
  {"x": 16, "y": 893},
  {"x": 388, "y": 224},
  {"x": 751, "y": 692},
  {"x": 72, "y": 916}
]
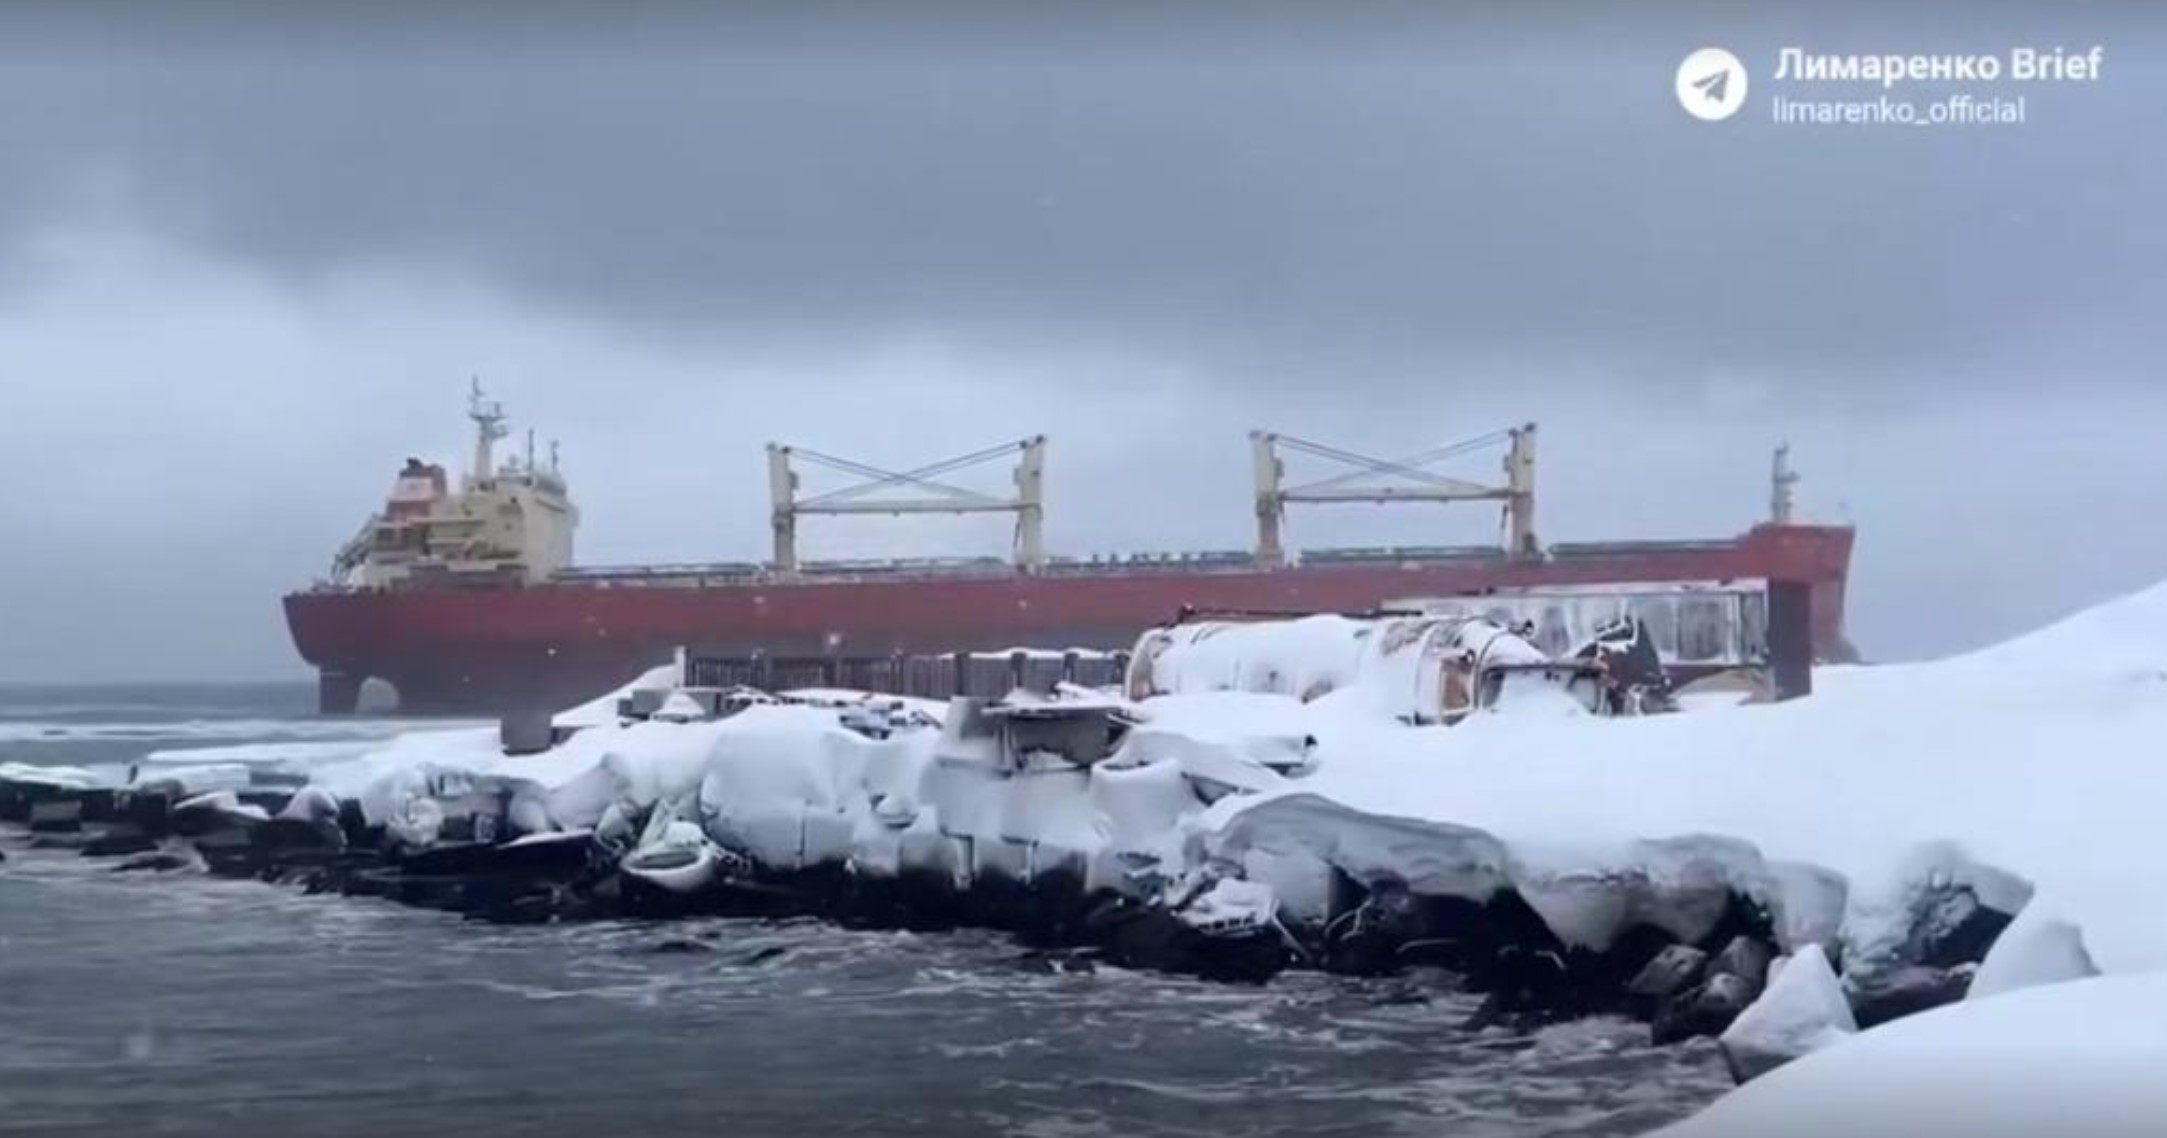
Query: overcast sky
[{"x": 249, "y": 257}]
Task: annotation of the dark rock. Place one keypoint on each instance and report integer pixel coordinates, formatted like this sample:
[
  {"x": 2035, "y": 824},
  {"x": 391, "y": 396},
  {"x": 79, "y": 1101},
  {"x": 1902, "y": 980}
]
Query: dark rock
[
  {"x": 294, "y": 834},
  {"x": 1147, "y": 936},
  {"x": 56, "y": 816},
  {"x": 1705, "y": 1010},
  {"x": 1673, "y": 970},
  {"x": 677, "y": 946},
  {"x": 1746, "y": 958},
  {"x": 1366, "y": 940},
  {"x": 1905, "y": 991},
  {"x": 159, "y": 861},
  {"x": 100, "y": 805},
  {"x": 1050, "y": 910},
  {"x": 1628, "y": 956},
  {"x": 1953, "y": 927},
  {"x": 119, "y": 841},
  {"x": 355, "y": 825},
  {"x": 148, "y": 811},
  {"x": 450, "y": 858},
  {"x": 208, "y": 818}
]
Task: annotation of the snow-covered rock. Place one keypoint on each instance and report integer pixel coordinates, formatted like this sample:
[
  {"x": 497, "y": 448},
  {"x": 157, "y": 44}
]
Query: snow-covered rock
[
  {"x": 222, "y": 803},
  {"x": 1894, "y": 821},
  {"x": 59, "y": 777},
  {"x": 185, "y": 781},
  {"x": 1803, "y": 1009},
  {"x": 2037, "y": 949}
]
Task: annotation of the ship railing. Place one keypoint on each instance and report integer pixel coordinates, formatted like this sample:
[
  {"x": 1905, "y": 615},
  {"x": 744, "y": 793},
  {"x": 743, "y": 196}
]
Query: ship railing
[
  {"x": 984, "y": 674},
  {"x": 1570, "y": 549},
  {"x": 682, "y": 574}
]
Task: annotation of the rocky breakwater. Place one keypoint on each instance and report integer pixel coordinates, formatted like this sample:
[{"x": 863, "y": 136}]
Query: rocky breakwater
[{"x": 1179, "y": 834}]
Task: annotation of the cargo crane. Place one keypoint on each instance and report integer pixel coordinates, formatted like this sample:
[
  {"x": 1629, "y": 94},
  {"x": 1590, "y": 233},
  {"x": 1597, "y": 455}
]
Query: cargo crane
[
  {"x": 1028, "y": 503},
  {"x": 1406, "y": 479}
]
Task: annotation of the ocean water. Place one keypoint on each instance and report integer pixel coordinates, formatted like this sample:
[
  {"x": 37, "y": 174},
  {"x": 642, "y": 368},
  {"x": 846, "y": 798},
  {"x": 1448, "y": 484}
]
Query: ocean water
[{"x": 194, "y": 1006}]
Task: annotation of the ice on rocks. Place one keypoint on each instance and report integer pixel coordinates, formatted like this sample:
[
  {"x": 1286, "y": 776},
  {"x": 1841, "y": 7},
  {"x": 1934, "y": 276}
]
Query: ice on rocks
[
  {"x": 1807, "y": 816},
  {"x": 1803, "y": 1009},
  {"x": 190, "y": 780},
  {"x": 1930, "y": 907}
]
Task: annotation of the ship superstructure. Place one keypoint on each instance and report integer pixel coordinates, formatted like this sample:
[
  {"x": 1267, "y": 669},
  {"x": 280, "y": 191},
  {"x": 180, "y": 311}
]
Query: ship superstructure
[{"x": 508, "y": 524}]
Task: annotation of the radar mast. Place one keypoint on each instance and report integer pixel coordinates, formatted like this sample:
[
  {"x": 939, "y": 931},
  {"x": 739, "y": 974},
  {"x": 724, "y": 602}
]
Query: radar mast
[{"x": 488, "y": 416}]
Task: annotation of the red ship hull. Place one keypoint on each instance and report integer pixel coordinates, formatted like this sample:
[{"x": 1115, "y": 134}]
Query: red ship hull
[{"x": 488, "y": 650}]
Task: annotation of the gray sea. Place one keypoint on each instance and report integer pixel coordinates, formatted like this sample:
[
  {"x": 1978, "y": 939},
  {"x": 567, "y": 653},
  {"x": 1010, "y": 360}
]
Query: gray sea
[{"x": 189, "y": 1005}]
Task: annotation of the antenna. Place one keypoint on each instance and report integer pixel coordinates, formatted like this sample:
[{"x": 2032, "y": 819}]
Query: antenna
[
  {"x": 488, "y": 416},
  {"x": 553, "y": 456}
]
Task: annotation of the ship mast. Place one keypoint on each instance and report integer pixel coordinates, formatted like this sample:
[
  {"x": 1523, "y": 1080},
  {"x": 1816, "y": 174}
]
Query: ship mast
[
  {"x": 488, "y": 416},
  {"x": 1780, "y": 480}
]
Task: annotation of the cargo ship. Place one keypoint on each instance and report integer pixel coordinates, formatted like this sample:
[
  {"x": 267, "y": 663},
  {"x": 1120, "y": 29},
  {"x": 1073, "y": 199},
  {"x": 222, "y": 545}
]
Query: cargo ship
[{"x": 467, "y": 599}]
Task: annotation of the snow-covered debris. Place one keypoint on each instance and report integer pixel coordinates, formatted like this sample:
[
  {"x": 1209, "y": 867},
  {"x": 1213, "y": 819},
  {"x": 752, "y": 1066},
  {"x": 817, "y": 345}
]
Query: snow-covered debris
[
  {"x": 1412, "y": 669},
  {"x": 603, "y": 709},
  {"x": 2081, "y": 1058},
  {"x": 677, "y": 707},
  {"x": 1803, "y": 1009}
]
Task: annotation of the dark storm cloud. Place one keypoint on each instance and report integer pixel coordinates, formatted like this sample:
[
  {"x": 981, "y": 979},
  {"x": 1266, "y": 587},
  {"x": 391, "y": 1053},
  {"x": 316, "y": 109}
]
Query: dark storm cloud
[
  {"x": 1277, "y": 189},
  {"x": 250, "y": 251}
]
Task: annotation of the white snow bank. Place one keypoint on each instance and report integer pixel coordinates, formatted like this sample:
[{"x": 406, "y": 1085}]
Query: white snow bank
[
  {"x": 2036, "y": 765},
  {"x": 2123, "y": 639},
  {"x": 2081, "y": 1058}
]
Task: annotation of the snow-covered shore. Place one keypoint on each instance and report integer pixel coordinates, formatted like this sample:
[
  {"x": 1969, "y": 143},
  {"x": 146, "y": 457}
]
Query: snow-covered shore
[{"x": 1875, "y": 836}]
